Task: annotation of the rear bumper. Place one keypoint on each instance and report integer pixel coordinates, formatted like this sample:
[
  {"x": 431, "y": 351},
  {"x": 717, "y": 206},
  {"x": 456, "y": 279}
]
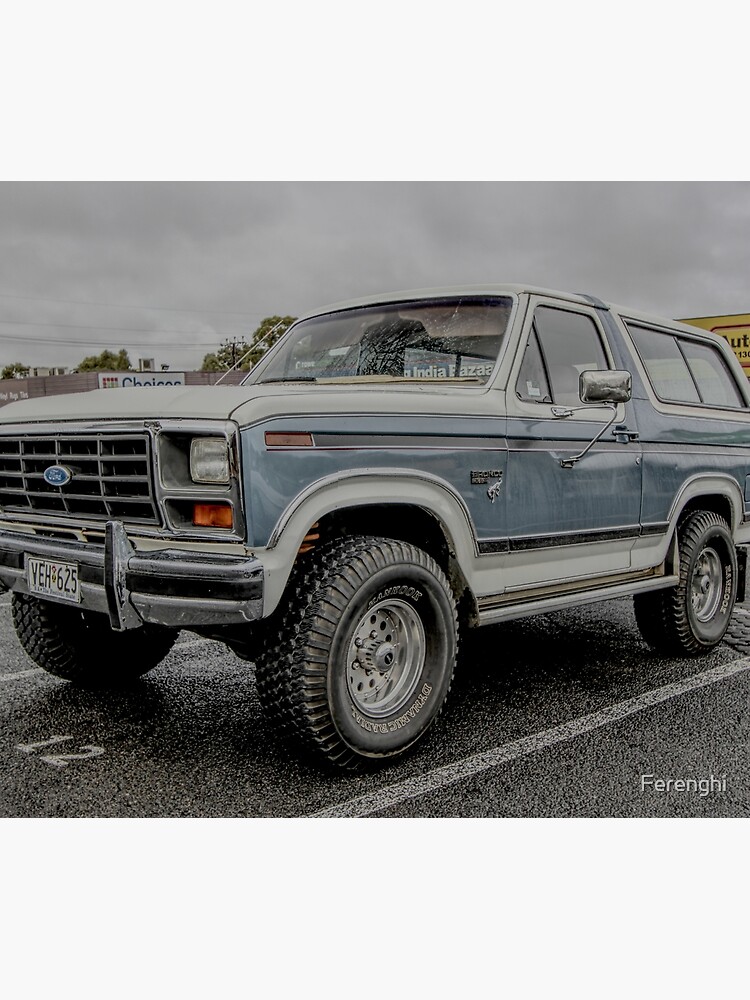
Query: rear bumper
[{"x": 174, "y": 587}]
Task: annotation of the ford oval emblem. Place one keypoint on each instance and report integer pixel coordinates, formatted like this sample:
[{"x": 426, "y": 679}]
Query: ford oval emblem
[{"x": 57, "y": 475}]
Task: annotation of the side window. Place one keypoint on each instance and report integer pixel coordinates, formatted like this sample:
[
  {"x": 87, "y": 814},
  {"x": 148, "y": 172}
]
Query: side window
[
  {"x": 562, "y": 345},
  {"x": 665, "y": 365},
  {"x": 685, "y": 371},
  {"x": 713, "y": 378}
]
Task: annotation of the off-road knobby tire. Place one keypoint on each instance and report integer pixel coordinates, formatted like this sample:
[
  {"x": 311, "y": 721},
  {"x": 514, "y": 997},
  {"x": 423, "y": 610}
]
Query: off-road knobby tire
[
  {"x": 667, "y": 618},
  {"x": 81, "y": 647},
  {"x": 302, "y": 662}
]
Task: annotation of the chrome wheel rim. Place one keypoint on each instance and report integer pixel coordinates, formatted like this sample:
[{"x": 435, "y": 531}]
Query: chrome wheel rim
[
  {"x": 385, "y": 658},
  {"x": 707, "y": 585}
]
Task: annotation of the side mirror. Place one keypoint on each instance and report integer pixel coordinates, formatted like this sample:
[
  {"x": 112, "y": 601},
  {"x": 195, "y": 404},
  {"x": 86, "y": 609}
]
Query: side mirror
[{"x": 605, "y": 387}]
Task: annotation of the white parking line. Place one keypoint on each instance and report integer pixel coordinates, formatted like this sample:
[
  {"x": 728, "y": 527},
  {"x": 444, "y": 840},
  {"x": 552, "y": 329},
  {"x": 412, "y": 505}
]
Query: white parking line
[
  {"x": 21, "y": 673},
  {"x": 366, "y": 805}
]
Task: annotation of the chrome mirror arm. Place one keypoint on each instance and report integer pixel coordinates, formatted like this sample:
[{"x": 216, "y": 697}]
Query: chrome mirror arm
[{"x": 568, "y": 463}]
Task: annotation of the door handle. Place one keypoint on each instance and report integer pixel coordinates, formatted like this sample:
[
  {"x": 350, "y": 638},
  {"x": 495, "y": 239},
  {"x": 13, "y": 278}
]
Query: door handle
[{"x": 623, "y": 435}]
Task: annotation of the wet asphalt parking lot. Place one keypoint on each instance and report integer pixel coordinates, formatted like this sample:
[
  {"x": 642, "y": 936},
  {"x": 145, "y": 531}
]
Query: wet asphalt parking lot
[{"x": 568, "y": 714}]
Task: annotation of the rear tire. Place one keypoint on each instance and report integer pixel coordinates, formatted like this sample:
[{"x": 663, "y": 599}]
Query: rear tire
[
  {"x": 362, "y": 657},
  {"x": 80, "y": 646},
  {"x": 693, "y": 616}
]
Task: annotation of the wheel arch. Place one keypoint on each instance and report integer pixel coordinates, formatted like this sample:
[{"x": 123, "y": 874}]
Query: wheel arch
[
  {"x": 719, "y": 494},
  {"x": 692, "y": 617},
  {"x": 421, "y": 509}
]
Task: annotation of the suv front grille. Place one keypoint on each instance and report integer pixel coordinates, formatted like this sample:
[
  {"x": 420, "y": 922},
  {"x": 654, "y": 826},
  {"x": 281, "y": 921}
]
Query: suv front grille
[{"x": 111, "y": 476}]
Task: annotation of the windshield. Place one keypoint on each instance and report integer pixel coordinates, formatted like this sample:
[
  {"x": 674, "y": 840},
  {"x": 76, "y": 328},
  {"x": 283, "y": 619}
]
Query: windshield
[{"x": 455, "y": 339}]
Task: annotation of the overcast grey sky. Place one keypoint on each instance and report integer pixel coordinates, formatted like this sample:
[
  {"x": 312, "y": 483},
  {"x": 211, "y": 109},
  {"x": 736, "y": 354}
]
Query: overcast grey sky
[{"x": 177, "y": 267}]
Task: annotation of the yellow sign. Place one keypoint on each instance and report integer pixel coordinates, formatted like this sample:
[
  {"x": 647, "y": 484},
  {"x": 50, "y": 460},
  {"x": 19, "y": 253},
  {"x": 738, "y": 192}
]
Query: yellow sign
[{"x": 734, "y": 329}]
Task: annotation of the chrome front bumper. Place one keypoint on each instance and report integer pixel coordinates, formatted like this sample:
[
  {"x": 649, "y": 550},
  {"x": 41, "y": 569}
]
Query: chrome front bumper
[{"x": 176, "y": 587}]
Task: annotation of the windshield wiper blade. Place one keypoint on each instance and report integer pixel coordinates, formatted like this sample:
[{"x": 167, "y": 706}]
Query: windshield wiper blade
[{"x": 288, "y": 378}]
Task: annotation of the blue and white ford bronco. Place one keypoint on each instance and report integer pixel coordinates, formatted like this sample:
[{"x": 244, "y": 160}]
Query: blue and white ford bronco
[{"x": 393, "y": 472}]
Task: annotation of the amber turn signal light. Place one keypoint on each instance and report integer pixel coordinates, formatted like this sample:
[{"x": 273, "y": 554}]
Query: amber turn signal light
[
  {"x": 212, "y": 515},
  {"x": 289, "y": 439}
]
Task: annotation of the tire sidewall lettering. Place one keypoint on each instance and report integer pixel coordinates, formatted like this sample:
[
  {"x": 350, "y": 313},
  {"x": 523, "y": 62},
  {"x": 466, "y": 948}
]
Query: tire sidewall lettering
[
  {"x": 417, "y": 587},
  {"x": 372, "y": 726},
  {"x": 709, "y": 633},
  {"x": 412, "y": 593},
  {"x": 726, "y": 598}
]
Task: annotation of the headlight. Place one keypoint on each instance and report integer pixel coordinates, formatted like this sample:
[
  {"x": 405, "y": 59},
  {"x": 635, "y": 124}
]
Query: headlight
[{"x": 209, "y": 460}]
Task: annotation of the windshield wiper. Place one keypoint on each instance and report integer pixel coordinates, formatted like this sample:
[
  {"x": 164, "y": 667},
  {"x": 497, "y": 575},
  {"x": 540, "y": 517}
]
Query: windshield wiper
[{"x": 288, "y": 378}]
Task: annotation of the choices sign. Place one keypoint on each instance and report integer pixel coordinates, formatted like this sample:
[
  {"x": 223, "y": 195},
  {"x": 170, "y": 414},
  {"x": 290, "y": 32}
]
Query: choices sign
[{"x": 132, "y": 380}]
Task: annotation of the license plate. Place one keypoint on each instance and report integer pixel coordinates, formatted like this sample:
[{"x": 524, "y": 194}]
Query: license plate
[{"x": 53, "y": 579}]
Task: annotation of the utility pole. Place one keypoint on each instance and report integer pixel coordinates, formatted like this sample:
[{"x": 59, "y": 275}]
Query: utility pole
[{"x": 258, "y": 342}]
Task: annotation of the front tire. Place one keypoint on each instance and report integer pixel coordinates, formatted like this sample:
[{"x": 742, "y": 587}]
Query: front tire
[
  {"x": 363, "y": 656},
  {"x": 693, "y": 616},
  {"x": 80, "y": 646}
]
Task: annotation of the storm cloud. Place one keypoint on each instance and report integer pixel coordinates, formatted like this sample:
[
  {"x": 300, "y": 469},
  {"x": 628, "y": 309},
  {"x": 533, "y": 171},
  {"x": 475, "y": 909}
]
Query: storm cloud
[{"x": 168, "y": 270}]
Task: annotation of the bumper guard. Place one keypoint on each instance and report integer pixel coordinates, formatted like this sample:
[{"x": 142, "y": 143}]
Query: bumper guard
[{"x": 179, "y": 588}]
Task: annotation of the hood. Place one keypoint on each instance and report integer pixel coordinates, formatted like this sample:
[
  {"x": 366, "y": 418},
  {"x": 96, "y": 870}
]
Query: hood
[{"x": 245, "y": 404}]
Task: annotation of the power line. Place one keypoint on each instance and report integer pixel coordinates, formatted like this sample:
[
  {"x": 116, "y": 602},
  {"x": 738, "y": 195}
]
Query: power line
[
  {"x": 122, "y": 305},
  {"x": 30, "y": 341},
  {"x": 115, "y": 329}
]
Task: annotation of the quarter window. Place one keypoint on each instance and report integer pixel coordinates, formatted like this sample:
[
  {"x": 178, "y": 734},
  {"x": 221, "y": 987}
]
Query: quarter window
[{"x": 532, "y": 382}]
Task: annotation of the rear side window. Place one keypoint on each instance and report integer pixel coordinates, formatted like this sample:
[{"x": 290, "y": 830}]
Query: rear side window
[
  {"x": 684, "y": 370},
  {"x": 562, "y": 344},
  {"x": 713, "y": 378}
]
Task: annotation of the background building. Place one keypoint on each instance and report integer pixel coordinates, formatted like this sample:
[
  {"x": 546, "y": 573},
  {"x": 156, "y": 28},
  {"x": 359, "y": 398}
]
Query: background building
[{"x": 13, "y": 389}]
